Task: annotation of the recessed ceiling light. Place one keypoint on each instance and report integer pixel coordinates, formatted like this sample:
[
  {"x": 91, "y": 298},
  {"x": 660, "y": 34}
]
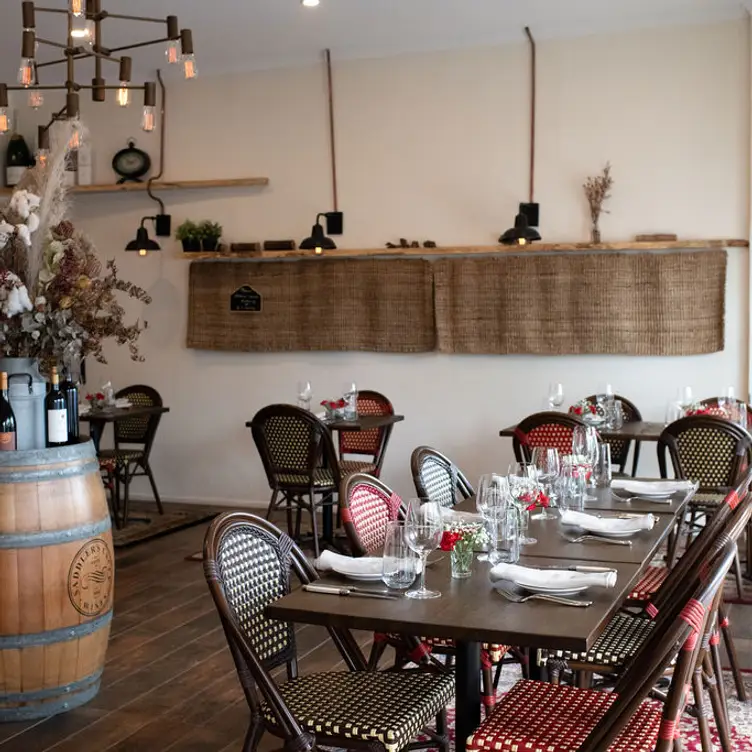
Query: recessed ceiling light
[{"x": 310, "y": 3}]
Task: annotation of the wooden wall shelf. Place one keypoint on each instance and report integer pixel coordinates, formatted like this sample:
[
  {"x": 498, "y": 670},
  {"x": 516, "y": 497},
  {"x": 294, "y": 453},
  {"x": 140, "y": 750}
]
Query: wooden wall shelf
[
  {"x": 472, "y": 250},
  {"x": 164, "y": 185}
]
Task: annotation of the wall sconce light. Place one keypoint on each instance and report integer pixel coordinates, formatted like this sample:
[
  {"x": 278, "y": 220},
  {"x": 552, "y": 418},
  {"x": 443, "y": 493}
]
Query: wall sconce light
[
  {"x": 143, "y": 243},
  {"x": 318, "y": 242},
  {"x": 521, "y": 233}
]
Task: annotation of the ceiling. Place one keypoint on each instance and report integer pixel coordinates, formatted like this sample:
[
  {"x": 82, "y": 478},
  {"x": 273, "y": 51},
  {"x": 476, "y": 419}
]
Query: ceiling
[{"x": 232, "y": 35}]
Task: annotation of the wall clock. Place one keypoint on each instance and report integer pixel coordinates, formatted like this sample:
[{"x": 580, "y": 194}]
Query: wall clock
[{"x": 131, "y": 163}]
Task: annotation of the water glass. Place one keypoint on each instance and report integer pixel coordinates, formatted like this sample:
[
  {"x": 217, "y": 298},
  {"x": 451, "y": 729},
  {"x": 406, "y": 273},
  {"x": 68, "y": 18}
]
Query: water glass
[
  {"x": 400, "y": 562},
  {"x": 617, "y": 418},
  {"x": 555, "y": 396},
  {"x": 423, "y": 530},
  {"x": 505, "y": 535},
  {"x": 304, "y": 395},
  {"x": 574, "y": 488},
  {"x": 350, "y": 396},
  {"x": 603, "y": 471},
  {"x": 493, "y": 493},
  {"x": 523, "y": 488},
  {"x": 547, "y": 465}
]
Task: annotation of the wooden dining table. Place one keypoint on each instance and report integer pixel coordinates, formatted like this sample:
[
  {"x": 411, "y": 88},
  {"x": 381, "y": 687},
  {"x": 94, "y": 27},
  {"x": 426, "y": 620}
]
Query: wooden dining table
[
  {"x": 470, "y": 612},
  {"x": 639, "y": 430},
  {"x": 98, "y": 419}
]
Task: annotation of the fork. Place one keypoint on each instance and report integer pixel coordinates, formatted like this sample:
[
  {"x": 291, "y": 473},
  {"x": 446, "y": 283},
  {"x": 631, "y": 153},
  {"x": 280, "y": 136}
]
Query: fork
[
  {"x": 599, "y": 539},
  {"x": 516, "y": 598}
]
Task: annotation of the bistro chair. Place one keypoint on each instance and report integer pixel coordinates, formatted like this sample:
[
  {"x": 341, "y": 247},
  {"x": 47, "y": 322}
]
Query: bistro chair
[
  {"x": 370, "y": 443},
  {"x": 712, "y": 403},
  {"x": 248, "y": 565},
  {"x": 436, "y": 477},
  {"x": 710, "y": 451},
  {"x": 134, "y": 438},
  {"x": 620, "y": 447},
  {"x": 366, "y": 506},
  {"x": 541, "y": 717},
  {"x": 550, "y": 430},
  {"x": 300, "y": 462}
]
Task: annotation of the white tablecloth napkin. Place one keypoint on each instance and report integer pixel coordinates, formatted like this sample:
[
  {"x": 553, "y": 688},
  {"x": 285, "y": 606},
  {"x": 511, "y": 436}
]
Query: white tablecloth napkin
[
  {"x": 532, "y": 577},
  {"x": 123, "y": 403},
  {"x": 608, "y": 524},
  {"x": 331, "y": 561},
  {"x": 638, "y": 487}
]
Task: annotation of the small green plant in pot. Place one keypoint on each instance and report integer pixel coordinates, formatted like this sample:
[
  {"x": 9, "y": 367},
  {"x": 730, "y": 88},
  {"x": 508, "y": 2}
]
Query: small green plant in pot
[
  {"x": 189, "y": 234},
  {"x": 211, "y": 232}
]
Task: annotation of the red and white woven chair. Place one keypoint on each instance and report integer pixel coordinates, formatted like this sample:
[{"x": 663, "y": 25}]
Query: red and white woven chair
[
  {"x": 366, "y": 506},
  {"x": 369, "y": 445},
  {"x": 548, "y": 430},
  {"x": 540, "y": 717}
]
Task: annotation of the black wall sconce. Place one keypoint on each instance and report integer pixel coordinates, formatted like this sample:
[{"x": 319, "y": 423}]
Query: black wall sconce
[{"x": 318, "y": 242}]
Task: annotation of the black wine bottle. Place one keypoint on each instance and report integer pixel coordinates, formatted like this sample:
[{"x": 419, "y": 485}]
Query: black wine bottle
[
  {"x": 17, "y": 160},
  {"x": 7, "y": 418},
  {"x": 70, "y": 390},
  {"x": 56, "y": 412}
]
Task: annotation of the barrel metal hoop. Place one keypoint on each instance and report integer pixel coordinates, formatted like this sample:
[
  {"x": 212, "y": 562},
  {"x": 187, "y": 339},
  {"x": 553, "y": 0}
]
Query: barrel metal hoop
[
  {"x": 84, "y": 450},
  {"x": 40, "y": 474},
  {"x": 47, "y": 709},
  {"x": 18, "y": 642},
  {"x": 46, "y": 694},
  {"x": 54, "y": 537}
]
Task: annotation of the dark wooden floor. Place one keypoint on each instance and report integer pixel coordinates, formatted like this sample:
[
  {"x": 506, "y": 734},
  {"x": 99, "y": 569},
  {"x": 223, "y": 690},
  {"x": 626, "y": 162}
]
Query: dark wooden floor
[{"x": 169, "y": 682}]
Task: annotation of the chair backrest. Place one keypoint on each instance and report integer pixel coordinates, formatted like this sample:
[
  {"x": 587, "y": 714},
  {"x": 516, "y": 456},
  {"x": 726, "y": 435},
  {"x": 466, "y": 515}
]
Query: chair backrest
[
  {"x": 713, "y": 404},
  {"x": 436, "y": 477},
  {"x": 139, "y": 430},
  {"x": 248, "y": 564},
  {"x": 550, "y": 430},
  {"x": 629, "y": 414},
  {"x": 372, "y": 442},
  {"x": 293, "y": 444},
  {"x": 709, "y": 450},
  {"x": 682, "y": 637},
  {"x": 366, "y": 506}
]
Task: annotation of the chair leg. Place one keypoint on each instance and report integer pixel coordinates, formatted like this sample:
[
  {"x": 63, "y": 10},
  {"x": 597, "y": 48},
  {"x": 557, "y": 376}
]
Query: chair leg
[
  {"x": 674, "y": 542},
  {"x": 272, "y": 504},
  {"x": 715, "y": 692},
  {"x": 253, "y": 737},
  {"x": 441, "y": 730},
  {"x": 702, "y": 719},
  {"x": 288, "y": 515},
  {"x": 126, "y": 494},
  {"x": 377, "y": 651},
  {"x": 489, "y": 696},
  {"x": 717, "y": 664},
  {"x": 153, "y": 484},
  {"x": 738, "y": 575},
  {"x": 728, "y": 641},
  {"x": 315, "y": 528}
]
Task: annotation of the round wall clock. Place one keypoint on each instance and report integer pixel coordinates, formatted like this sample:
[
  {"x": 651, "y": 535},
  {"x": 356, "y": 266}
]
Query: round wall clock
[{"x": 131, "y": 163}]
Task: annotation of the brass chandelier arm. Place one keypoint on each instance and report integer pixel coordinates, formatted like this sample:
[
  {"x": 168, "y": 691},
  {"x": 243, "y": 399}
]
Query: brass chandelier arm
[
  {"x": 50, "y": 43},
  {"x": 107, "y": 14},
  {"x": 140, "y": 44}
]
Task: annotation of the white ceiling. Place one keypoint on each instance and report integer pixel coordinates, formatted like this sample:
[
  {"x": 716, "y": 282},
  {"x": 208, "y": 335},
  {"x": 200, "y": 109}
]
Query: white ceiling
[{"x": 244, "y": 34}]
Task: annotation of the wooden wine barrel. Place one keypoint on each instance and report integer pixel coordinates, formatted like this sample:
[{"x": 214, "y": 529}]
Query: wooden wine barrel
[{"x": 56, "y": 580}]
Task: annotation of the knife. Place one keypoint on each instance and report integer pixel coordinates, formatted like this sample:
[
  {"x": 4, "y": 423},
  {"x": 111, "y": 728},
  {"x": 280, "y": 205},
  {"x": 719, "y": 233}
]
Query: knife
[
  {"x": 351, "y": 592},
  {"x": 582, "y": 568}
]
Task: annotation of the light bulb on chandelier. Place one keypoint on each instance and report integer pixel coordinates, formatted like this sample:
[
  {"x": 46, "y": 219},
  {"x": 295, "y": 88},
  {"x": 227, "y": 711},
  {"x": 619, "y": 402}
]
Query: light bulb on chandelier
[
  {"x": 124, "y": 92},
  {"x": 4, "y": 116},
  {"x": 76, "y": 7},
  {"x": 36, "y": 99},
  {"x": 190, "y": 69},
  {"x": 149, "y": 116},
  {"x": 172, "y": 51}
]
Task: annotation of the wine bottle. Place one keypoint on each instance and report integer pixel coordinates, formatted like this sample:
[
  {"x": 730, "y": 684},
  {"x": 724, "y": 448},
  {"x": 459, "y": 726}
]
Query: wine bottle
[
  {"x": 56, "y": 411},
  {"x": 70, "y": 390},
  {"x": 7, "y": 418},
  {"x": 17, "y": 160}
]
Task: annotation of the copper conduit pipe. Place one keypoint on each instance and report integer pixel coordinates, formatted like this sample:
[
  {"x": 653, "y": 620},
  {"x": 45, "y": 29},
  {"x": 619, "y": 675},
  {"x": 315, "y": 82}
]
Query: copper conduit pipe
[
  {"x": 332, "y": 147},
  {"x": 532, "y": 114}
]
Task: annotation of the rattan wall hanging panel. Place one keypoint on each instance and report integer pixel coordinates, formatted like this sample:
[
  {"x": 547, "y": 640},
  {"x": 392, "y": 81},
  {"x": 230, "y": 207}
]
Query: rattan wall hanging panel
[
  {"x": 322, "y": 304},
  {"x": 613, "y": 303}
]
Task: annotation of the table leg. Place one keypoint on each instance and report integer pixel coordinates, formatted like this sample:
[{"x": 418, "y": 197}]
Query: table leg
[
  {"x": 328, "y": 519},
  {"x": 96, "y": 429},
  {"x": 467, "y": 689}
]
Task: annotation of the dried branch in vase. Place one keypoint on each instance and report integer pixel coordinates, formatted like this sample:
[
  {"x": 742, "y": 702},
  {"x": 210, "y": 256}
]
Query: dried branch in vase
[{"x": 597, "y": 192}]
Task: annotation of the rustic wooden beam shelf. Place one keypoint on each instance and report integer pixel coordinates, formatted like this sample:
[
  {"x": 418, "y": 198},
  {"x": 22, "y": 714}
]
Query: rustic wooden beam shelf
[
  {"x": 473, "y": 250},
  {"x": 164, "y": 185}
]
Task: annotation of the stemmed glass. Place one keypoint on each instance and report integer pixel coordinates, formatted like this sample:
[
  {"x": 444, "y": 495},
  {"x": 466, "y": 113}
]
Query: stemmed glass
[
  {"x": 684, "y": 398},
  {"x": 304, "y": 394},
  {"x": 523, "y": 486},
  {"x": 547, "y": 466},
  {"x": 492, "y": 495},
  {"x": 585, "y": 449},
  {"x": 423, "y": 530},
  {"x": 555, "y": 396}
]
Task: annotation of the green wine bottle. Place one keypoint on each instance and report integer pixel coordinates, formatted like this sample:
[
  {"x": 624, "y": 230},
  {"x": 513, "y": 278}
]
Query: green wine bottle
[{"x": 17, "y": 160}]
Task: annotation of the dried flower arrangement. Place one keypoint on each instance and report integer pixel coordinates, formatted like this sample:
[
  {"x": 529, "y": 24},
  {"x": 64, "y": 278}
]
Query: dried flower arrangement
[
  {"x": 57, "y": 302},
  {"x": 597, "y": 192}
]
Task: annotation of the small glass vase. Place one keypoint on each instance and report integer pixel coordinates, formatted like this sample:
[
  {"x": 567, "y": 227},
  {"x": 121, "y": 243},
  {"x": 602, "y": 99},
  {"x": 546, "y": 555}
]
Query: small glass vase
[{"x": 462, "y": 562}]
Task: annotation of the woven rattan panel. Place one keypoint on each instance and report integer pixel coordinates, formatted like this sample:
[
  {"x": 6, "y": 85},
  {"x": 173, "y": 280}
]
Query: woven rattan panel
[
  {"x": 322, "y": 304},
  {"x": 615, "y": 303}
]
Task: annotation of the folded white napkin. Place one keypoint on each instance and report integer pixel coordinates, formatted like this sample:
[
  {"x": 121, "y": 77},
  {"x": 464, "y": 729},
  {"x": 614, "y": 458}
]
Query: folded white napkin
[
  {"x": 123, "y": 403},
  {"x": 608, "y": 524},
  {"x": 331, "y": 561},
  {"x": 449, "y": 516},
  {"x": 531, "y": 577},
  {"x": 84, "y": 409},
  {"x": 637, "y": 487}
]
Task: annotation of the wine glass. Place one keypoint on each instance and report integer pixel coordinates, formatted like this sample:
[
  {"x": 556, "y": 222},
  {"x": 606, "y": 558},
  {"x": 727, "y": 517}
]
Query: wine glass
[
  {"x": 492, "y": 495},
  {"x": 585, "y": 450},
  {"x": 304, "y": 394},
  {"x": 423, "y": 530},
  {"x": 684, "y": 397},
  {"x": 555, "y": 396},
  {"x": 547, "y": 466},
  {"x": 523, "y": 486}
]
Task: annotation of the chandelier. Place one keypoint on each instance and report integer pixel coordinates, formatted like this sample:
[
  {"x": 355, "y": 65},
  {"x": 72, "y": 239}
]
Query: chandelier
[{"x": 84, "y": 40}]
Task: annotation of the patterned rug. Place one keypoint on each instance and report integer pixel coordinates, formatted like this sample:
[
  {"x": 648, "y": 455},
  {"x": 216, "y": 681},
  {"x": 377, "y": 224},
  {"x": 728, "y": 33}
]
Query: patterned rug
[
  {"x": 740, "y": 715},
  {"x": 145, "y": 524}
]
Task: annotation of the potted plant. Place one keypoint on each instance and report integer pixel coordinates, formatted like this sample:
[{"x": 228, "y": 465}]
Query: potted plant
[
  {"x": 189, "y": 235},
  {"x": 210, "y": 233}
]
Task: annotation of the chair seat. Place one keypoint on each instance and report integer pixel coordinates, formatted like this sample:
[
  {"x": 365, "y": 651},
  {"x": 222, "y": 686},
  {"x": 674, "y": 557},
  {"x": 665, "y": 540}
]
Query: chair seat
[
  {"x": 707, "y": 500},
  {"x": 540, "y": 717},
  {"x": 347, "y": 467},
  {"x": 111, "y": 458},
  {"x": 621, "y": 638},
  {"x": 321, "y": 477},
  {"x": 387, "y": 707},
  {"x": 649, "y": 585}
]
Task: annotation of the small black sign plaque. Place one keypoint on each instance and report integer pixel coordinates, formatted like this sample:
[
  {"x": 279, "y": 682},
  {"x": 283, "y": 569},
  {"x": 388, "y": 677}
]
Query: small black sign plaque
[{"x": 245, "y": 299}]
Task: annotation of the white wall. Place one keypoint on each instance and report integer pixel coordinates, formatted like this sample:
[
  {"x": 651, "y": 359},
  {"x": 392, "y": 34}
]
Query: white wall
[{"x": 432, "y": 146}]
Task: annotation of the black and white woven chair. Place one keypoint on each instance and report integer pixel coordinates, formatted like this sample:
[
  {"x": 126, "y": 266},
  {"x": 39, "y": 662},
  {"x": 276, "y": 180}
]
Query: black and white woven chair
[
  {"x": 437, "y": 478},
  {"x": 248, "y": 565}
]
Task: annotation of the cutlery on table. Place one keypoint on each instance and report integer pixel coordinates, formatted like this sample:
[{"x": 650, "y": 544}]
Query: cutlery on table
[
  {"x": 351, "y": 592},
  {"x": 517, "y": 598},
  {"x": 581, "y": 568},
  {"x": 599, "y": 539}
]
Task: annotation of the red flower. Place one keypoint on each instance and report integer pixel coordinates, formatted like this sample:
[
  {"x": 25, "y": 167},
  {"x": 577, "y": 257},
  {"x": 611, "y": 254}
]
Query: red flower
[
  {"x": 100, "y": 396},
  {"x": 577, "y": 409},
  {"x": 89, "y": 397},
  {"x": 341, "y": 403},
  {"x": 449, "y": 540},
  {"x": 541, "y": 500},
  {"x": 593, "y": 409}
]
